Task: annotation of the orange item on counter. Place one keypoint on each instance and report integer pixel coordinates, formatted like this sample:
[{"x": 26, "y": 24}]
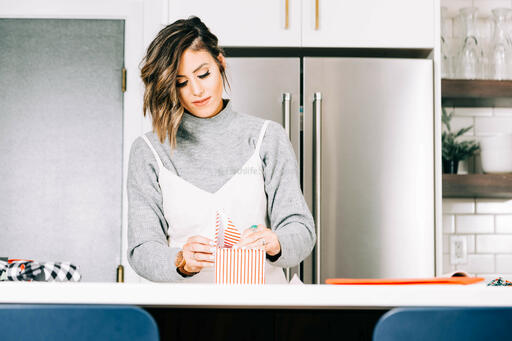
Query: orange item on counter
[{"x": 394, "y": 281}]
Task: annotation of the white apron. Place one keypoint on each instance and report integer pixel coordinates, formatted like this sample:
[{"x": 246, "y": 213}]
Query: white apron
[{"x": 191, "y": 211}]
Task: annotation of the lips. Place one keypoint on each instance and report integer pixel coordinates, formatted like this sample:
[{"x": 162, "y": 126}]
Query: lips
[{"x": 202, "y": 101}]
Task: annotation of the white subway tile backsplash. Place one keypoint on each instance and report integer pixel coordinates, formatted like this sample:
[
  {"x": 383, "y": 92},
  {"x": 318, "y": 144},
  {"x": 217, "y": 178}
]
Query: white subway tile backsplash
[
  {"x": 501, "y": 243},
  {"x": 447, "y": 267},
  {"x": 460, "y": 111},
  {"x": 497, "y": 206},
  {"x": 467, "y": 137},
  {"x": 474, "y": 224},
  {"x": 458, "y": 206},
  {"x": 446, "y": 244},
  {"x": 493, "y": 125},
  {"x": 503, "y": 111},
  {"x": 504, "y": 224},
  {"x": 504, "y": 264},
  {"x": 458, "y": 123},
  {"x": 471, "y": 243},
  {"x": 448, "y": 223},
  {"x": 479, "y": 263},
  {"x": 490, "y": 277}
]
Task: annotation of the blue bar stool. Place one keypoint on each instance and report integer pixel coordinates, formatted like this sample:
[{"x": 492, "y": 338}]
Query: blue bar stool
[
  {"x": 445, "y": 324},
  {"x": 75, "y": 322}
]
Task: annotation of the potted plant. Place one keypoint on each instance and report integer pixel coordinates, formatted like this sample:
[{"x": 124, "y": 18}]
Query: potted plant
[{"x": 454, "y": 150}]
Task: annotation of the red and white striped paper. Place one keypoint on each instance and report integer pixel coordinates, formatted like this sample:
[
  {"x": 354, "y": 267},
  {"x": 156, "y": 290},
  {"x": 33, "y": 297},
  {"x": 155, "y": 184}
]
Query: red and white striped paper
[
  {"x": 236, "y": 266},
  {"x": 240, "y": 266},
  {"x": 231, "y": 233}
]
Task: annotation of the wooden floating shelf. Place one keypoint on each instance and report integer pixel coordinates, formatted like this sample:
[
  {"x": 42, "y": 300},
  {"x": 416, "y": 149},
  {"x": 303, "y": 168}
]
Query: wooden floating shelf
[
  {"x": 477, "y": 186},
  {"x": 476, "y": 93}
]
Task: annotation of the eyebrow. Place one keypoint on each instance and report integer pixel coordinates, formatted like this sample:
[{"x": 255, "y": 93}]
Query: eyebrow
[{"x": 200, "y": 66}]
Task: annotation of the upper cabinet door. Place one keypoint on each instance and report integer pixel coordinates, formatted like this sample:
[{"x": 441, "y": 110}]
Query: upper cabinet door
[
  {"x": 368, "y": 23},
  {"x": 245, "y": 23}
]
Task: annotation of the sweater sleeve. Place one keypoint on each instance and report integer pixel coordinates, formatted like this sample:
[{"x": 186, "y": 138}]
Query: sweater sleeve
[
  {"x": 148, "y": 251},
  {"x": 289, "y": 215}
]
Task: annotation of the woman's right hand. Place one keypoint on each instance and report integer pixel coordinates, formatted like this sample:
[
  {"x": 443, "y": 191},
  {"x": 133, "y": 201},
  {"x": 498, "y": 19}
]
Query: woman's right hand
[{"x": 199, "y": 253}]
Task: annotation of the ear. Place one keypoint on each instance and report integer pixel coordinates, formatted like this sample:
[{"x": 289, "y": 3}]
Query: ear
[{"x": 222, "y": 60}]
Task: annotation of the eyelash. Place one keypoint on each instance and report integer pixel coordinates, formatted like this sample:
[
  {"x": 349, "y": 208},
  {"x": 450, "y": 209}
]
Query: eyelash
[{"x": 180, "y": 85}]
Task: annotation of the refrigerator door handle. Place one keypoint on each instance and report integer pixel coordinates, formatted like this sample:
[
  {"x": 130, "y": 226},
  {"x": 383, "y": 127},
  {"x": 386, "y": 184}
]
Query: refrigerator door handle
[
  {"x": 286, "y": 107},
  {"x": 286, "y": 112},
  {"x": 317, "y": 157}
]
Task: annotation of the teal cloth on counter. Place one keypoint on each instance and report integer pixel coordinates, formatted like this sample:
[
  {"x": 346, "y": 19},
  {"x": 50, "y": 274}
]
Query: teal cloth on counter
[{"x": 499, "y": 282}]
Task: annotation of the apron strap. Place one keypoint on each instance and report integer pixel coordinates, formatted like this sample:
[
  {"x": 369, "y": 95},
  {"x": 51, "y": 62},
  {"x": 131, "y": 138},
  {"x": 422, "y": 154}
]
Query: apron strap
[
  {"x": 262, "y": 133},
  {"x": 160, "y": 165}
]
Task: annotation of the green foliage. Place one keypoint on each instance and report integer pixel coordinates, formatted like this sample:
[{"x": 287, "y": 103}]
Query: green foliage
[{"x": 453, "y": 149}]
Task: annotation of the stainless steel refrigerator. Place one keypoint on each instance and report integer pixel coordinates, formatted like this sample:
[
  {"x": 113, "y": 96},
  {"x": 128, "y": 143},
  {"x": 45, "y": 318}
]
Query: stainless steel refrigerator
[{"x": 363, "y": 133}]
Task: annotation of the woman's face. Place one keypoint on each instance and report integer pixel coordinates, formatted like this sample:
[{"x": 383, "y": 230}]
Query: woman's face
[{"x": 199, "y": 83}]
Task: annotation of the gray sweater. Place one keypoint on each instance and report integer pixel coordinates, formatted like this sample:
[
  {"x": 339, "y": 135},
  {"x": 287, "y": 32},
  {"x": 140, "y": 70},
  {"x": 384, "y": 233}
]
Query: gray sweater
[{"x": 204, "y": 147}]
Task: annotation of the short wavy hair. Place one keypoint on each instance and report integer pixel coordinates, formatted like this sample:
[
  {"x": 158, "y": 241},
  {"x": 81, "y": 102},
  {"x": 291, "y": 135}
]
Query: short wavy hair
[{"x": 160, "y": 67}]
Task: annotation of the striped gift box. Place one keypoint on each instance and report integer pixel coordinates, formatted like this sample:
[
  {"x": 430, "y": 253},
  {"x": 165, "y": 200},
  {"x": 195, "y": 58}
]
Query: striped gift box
[
  {"x": 240, "y": 266},
  {"x": 235, "y": 266}
]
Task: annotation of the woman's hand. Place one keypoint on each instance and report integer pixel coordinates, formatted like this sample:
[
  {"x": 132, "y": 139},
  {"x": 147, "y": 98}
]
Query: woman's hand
[
  {"x": 198, "y": 253},
  {"x": 261, "y": 237}
]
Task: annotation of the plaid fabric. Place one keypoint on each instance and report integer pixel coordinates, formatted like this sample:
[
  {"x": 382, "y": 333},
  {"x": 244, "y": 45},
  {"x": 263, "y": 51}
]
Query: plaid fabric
[
  {"x": 28, "y": 270},
  {"x": 498, "y": 282}
]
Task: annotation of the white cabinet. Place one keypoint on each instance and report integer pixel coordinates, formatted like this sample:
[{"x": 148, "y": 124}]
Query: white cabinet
[
  {"x": 247, "y": 22},
  {"x": 314, "y": 23},
  {"x": 368, "y": 23}
]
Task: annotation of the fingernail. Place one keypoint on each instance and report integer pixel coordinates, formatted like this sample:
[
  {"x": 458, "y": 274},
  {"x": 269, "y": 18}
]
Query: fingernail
[
  {"x": 212, "y": 243},
  {"x": 254, "y": 227},
  {"x": 212, "y": 250},
  {"x": 212, "y": 257}
]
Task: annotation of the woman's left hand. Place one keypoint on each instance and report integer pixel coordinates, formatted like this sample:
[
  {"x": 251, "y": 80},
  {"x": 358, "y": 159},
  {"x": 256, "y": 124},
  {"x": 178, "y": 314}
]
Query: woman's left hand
[{"x": 261, "y": 238}]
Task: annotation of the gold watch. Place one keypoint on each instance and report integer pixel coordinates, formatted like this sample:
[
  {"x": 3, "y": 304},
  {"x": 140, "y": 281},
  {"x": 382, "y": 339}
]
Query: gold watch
[{"x": 180, "y": 265}]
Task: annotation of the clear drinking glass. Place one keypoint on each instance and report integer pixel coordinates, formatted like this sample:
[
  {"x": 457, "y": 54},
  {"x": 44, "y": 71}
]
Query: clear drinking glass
[
  {"x": 500, "y": 53},
  {"x": 470, "y": 55},
  {"x": 484, "y": 39},
  {"x": 446, "y": 45}
]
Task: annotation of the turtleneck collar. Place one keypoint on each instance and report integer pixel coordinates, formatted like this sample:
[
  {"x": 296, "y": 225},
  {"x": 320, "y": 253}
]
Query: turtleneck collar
[{"x": 193, "y": 124}]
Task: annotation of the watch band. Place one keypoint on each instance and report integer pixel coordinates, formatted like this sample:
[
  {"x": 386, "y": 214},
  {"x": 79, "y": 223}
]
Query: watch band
[
  {"x": 180, "y": 265},
  {"x": 185, "y": 273}
]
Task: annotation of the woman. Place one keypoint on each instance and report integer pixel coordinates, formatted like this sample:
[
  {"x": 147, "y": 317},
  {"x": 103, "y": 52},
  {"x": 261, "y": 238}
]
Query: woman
[{"x": 202, "y": 157}]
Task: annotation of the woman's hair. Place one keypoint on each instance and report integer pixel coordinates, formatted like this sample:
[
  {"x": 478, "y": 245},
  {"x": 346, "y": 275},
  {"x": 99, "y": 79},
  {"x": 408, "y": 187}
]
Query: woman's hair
[{"x": 160, "y": 67}]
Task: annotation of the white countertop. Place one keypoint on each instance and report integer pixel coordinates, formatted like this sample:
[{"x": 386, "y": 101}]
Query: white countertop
[{"x": 262, "y": 296}]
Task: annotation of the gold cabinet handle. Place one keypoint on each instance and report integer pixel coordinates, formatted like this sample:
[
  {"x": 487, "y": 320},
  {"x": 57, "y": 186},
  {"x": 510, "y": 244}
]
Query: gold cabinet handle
[
  {"x": 317, "y": 20},
  {"x": 286, "y": 14}
]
